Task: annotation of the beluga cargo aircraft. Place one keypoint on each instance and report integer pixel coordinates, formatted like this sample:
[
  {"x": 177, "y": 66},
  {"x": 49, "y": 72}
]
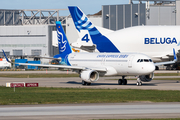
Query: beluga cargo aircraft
[
  {"x": 155, "y": 41},
  {"x": 92, "y": 65}
]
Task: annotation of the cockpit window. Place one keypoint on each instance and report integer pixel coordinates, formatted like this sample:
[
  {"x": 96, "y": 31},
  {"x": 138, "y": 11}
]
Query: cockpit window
[{"x": 146, "y": 60}]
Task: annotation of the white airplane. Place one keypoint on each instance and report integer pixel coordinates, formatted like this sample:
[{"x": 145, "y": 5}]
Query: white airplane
[
  {"x": 155, "y": 41},
  {"x": 4, "y": 64},
  {"x": 92, "y": 65}
]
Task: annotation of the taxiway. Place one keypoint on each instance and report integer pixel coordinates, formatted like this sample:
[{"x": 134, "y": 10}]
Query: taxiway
[{"x": 91, "y": 111}]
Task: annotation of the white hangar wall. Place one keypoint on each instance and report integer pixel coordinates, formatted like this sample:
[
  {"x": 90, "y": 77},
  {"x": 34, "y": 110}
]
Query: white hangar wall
[{"x": 27, "y": 40}]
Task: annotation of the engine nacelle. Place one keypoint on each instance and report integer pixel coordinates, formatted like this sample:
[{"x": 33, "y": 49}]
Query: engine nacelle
[
  {"x": 89, "y": 75},
  {"x": 146, "y": 78}
]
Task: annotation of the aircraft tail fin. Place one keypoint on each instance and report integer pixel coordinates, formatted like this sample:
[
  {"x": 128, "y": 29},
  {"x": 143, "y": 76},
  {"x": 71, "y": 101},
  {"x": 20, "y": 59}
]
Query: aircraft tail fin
[
  {"x": 63, "y": 44},
  {"x": 6, "y": 57},
  {"x": 89, "y": 32},
  {"x": 82, "y": 22}
]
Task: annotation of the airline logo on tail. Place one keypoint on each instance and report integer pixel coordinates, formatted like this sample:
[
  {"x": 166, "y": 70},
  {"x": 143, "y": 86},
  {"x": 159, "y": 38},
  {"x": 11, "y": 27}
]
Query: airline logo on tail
[
  {"x": 64, "y": 47},
  {"x": 82, "y": 23},
  {"x": 62, "y": 44}
]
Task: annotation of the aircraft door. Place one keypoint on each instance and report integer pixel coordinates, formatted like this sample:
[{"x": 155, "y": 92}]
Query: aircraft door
[
  {"x": 130, "y": 61},
  {"x": 71, "y": 57},
  {"x": 103, "y": 61}
]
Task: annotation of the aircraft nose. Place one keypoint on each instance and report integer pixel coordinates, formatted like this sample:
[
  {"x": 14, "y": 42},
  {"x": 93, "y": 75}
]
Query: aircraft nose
[
  {"x": 148, "y": 68},
  {"x": 151, "y": 68}
]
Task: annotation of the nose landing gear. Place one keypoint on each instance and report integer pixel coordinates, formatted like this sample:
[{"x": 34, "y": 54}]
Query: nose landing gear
[{"x": 139, "y": 83}]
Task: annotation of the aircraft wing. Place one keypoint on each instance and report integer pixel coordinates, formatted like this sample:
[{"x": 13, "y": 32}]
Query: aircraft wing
[
  {"x": 44, "y": 57},
  {"x": 66, "y": 66},
  {"x": 168, "y": 62}
]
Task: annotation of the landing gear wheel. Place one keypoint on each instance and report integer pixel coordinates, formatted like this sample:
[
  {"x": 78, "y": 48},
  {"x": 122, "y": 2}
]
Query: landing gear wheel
[
  {"x": 120, "y": 82},
  {"x": 124, "y": 82},
  {"x": 88, "y": 83},
  {"x": 139, "y": 83},
  {"x": 84, "y": 82}
]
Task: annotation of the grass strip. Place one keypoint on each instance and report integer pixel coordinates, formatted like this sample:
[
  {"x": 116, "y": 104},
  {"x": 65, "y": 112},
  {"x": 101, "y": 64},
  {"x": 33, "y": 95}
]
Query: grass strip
[
  {"x": 166, "y": 74},
  {"x": 43, "y": 95},
  {"x": 153, "y": 79},
  {"x": 166, "y": 79},
  {"x": 38, "y": 75},
  {"x": 54, "y": 75},
  {"x": 146, "y": 119}
]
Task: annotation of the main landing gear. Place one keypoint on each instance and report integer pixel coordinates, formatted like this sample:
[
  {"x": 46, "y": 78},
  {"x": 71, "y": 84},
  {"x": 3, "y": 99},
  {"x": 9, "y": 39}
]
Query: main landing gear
[
  {"x": 122, "y": 81},
  {"x": 85, "y": 83}
]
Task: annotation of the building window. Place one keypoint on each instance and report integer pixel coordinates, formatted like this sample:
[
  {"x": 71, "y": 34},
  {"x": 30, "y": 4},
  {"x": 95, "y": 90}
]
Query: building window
[
  {"x": 36, "y": 52},
  {"x": 17, "y": 52},
  {"x": 7, "y": 54}
]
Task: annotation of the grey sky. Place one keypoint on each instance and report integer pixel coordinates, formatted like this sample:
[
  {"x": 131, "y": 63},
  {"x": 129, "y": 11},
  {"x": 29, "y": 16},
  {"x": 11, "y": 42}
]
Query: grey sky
[{"x": 88, "y": 6}]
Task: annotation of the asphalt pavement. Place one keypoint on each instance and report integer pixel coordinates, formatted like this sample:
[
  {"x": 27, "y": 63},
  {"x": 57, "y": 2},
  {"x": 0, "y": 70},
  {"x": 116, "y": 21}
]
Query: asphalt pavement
[{"x": 91, "y": 111}]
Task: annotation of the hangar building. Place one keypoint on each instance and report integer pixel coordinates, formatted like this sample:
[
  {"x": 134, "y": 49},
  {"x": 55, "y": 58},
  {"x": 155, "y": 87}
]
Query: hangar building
[{"x": 22, "y": 35}]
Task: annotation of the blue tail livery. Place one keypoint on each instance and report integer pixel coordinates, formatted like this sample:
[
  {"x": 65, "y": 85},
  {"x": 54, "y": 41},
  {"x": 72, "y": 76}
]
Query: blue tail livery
[
  {"x": 63, "y": 44},
  {"x": 83, "y": 23}
]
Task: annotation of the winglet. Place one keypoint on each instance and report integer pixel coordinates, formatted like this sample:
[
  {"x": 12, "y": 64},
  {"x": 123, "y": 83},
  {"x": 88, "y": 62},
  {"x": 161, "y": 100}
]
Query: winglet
[
  {"x": 6, "y": 57},
  {"x": 168, "y": 62},
  {"x": 175, "y": 56}
]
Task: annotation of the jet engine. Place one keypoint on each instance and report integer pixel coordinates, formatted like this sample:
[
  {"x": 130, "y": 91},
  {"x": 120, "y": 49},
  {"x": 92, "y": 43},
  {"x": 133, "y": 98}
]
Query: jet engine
[
  {"x": 146, "y": 78},
  {"x": 89, "y": 75}
]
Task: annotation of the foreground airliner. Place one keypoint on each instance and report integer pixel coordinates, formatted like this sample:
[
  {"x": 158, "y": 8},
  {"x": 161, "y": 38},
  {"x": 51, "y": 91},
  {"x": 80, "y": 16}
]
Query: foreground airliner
[
  {"x": 155, "y": 41},
  {"x": 92, "y": 65}
]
